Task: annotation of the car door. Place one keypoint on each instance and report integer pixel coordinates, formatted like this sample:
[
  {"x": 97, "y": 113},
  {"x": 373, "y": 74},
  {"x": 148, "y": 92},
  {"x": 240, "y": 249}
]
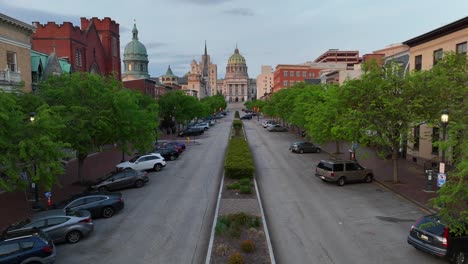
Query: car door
[
  {"x": 307, "y": 147},
  {"x": 111, "y": 183},
  {"x": 352, "y": 171},
  {"x": 141, "y": 163},
  {"x": 10, "y": 253},
  {"x": 127, "y": 178},
  {"x": 94, "y": 205},
  {"x": 76, "y": 205},
  {"x": 56, "y": 227}
]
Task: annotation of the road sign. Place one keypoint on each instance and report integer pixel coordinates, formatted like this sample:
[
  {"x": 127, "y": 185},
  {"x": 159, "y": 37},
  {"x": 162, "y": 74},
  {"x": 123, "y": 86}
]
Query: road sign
[
  {"x": 48, "y": 194},
  {"x": 441, "y": 178},
  {"x": 442, "y": 167}
]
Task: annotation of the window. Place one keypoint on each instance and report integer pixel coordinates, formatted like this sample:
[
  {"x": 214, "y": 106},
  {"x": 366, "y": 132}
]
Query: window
[
  {"x": 435, "y": 138},
  {"x": 352, "y": 167},
  {"x": 114, "y": 47},
  {"x": 56, "y": 221},
  {"x": 418, "y": 62},
  {"x": 461, "y": 48},
  {"x": 298, "y": 74},
  {"x": 304, "y": 74},
  {"x": 291, "y": 83},
  {"x": 130, "y": 67},
  {"x": 141, "y": 67},
  {"x": 38, "y": 224},
  {"x": 312, "y": 74},
  {"x": 438, "y": 56},
  {"x": 338, "y": 167},
  {"x": 27, "y": 245},
  {"x": 93, "y": 199},
  {"x": 76, "y": 203},
  {"x": 8, "y": 249},
  {"x": 416, "y": 138},
  {"x": 11, "y": 61},
  {"x": 285, "y": 73},
  {"x": 78, "y": 58},
  {"x": 285, "y": 83}
]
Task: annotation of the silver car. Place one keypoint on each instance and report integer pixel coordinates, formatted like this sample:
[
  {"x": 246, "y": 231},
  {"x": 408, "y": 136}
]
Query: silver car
[{"x": 60, "y": 225}]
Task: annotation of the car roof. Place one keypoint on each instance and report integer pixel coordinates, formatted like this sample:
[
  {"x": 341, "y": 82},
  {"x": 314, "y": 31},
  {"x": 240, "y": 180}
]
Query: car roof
[
  {"x": 14, "y": 234},
  {"x": 47, "y": 214},
  {"x": 87, "y": 194},
  {"x": 338, "y": 161}
]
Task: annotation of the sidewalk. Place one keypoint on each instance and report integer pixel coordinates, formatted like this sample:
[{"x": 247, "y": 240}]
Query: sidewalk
[{"x": 412, "y": 178}]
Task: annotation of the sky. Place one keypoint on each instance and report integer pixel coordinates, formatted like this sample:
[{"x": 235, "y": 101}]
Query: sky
[{"x": 267, "y": 32}]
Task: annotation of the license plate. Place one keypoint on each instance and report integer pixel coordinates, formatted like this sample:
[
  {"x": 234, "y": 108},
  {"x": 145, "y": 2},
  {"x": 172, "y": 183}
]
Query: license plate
[{"x": 425, "y": 237}]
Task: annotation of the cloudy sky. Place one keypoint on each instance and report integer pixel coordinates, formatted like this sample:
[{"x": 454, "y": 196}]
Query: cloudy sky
[{"x": 267, "y": 32}]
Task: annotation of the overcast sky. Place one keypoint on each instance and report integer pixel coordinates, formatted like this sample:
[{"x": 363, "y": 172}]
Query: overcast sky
[{"x": 267, "y": 32}]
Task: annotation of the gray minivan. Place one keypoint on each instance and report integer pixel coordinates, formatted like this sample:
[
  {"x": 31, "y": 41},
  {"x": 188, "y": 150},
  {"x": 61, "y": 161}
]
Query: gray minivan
[{"x": 342, "y": 171}]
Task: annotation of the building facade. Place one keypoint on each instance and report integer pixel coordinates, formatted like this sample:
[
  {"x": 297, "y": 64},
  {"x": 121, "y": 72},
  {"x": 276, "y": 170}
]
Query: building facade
[
  {"x": 264, "y": 81},
  {"x": 43, "y": 66},
  {"x": 15, "y": 59},
  {"x": 236, "y": 81},
  {"x": 95, "y": 47},
  {"x": 348, "y": 57},
  {"x": 135, "y": 59},
  {"x": 203, "y": 76},
  {"x": 286, "y": 75},
  {"x": 424, "y": 52}
]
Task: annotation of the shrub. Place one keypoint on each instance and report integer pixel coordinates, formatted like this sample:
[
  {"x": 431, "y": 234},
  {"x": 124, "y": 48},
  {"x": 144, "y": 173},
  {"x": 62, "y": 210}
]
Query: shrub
[
  {"x": 222, "y": 225},
  {"x": 236, "y": 258},
  {"x": 237, "y": 124},
  {"x": 246, "y": 182},
  {"x": 240, "y": 218},
  {"x": 245, "y": 189},
  {"x": 222, "y": 250},
  {"x": 247, "y": 246},
  {"x": 239, "y": 162},
  {"x": 234, "y": 230},
  {"x": 236, "y": 114},
  {"x": 233, "y": 186},
  {"x": 255, "y": 222}
]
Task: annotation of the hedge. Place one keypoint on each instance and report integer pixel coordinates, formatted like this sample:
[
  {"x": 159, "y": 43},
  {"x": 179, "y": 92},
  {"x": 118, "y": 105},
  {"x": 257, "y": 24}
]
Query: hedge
[{"x": 239, "y": 162}]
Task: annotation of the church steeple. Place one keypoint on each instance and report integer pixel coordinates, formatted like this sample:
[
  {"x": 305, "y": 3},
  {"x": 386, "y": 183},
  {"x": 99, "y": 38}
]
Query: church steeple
[
  {"x": 206, "y": 53},
  {"x": 205, "y": 60}
]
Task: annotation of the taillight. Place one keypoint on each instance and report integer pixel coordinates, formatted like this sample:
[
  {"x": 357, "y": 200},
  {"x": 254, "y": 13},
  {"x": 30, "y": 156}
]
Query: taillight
[
  {"x": 445, "y": 238},
  {"x": 120, "y": 200},
  {"x": 47, "y": 249},
  {"x": 87, "y": 220},
  {"x": 332, "y": 174}
]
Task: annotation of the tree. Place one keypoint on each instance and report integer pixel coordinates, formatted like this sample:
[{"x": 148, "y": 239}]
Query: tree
[{"x": 88, "y": 105}]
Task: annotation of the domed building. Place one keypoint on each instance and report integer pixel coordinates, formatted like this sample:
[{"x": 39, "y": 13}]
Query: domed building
[
  {"x": 236, "y": 81},
  {"x": 135, "y": 59}
]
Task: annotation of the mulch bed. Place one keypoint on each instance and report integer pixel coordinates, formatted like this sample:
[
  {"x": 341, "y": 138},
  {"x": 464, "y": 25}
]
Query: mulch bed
[{"x": 235, "y": 194}]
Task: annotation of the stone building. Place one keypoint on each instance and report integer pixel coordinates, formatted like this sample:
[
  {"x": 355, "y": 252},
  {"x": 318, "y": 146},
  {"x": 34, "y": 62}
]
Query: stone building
[
  {"x": 15, "y": 59},
  {"x": 203, "y": 76},
  {"x": 236, "y": 81},
  {"x": 265, "y": 81},
  {"x": 135, "y": 59}
]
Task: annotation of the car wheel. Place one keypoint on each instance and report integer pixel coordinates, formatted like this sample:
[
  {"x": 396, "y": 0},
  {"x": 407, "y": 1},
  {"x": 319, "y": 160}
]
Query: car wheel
[
  {"x": 301, "y": 151},
  {"x": 73, "y": 236},
  {"x": 317, "y": 150},
  {"x": 139, "y": 184},
  {"x": 368, "y": 178},
  {"x": 459, "y": 257},
  {"x": 341, "y": 181},
  {"x": 107, "y": 212},
  {"x": 172, "y": 157},
  {"x": 103, "y": 189},
  {"x": 157, "y": 167}
]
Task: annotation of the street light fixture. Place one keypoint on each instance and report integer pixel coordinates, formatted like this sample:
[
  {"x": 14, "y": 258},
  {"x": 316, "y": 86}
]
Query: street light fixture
[{"x": 444, "y": 119}]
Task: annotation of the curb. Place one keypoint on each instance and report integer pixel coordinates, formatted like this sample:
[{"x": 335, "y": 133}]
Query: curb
[
  {"x": 215, "y": 219},
  {"x": 422, "y": 206},
  {"x": 265, "y": 226}
]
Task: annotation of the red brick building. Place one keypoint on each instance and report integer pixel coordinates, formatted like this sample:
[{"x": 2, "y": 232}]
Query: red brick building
[
  {"x": 146, "y": 86},
  {"x": 95, "y": 47},
  {"x": 287, "y": 75},
  {"x": 349, "y": 57}
]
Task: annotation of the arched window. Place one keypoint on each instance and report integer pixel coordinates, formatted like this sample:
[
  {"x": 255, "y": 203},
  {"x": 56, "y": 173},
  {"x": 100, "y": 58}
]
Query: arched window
[
  {"x": 130, "y": 67},
  {"x": 141, "y": 67}
]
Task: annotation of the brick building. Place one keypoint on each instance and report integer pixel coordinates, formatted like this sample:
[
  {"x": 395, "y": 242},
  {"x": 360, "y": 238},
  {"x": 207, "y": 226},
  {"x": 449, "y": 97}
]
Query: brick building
[
  {"x": 286, "y": 75},
  {"x": 95, "y": 47},
  {"x": 349, "y": 57}
]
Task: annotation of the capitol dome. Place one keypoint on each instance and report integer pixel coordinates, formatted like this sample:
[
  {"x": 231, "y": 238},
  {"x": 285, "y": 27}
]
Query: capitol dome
[
  {"x": 236, "y": 58},
  {"x": 135, "y": 50}
]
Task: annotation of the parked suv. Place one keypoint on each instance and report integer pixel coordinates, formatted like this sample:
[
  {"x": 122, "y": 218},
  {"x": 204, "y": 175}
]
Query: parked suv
[
  {"x": 27, "y": 247},
  {"x": 144, "y": 162},
  {"x": 431, "y": 235},
  {"x": 342, "y": 171}
]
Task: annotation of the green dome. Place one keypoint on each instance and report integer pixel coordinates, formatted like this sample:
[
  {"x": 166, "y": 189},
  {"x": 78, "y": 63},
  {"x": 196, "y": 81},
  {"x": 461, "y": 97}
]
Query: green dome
[
  {"x": 135, "y": 50},
  {"x": 236, "y": 58}
]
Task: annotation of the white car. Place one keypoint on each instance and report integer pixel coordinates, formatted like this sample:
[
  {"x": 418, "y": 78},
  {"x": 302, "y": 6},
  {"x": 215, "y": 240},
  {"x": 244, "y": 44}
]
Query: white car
[
  {"x": 203, "y": 125},
  {"x": 267, "y": 123},
  {"x": 151, "y": 161}
]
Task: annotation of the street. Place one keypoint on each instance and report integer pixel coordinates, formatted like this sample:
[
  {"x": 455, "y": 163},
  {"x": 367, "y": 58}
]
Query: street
[
  {"x": 168, "y": 220},
  {"x": 311, "y": 221}
]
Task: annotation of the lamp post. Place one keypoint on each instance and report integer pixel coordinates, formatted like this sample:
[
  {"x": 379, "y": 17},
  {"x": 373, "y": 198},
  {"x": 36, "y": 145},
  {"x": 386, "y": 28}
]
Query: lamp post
[
  {"x": 444, "y": 119},
  {"x": 34, "y": 185}
]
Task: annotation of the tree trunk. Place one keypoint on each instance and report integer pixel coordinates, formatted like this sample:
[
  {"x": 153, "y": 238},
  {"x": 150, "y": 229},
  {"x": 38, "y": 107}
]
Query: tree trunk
[
  {"x": 81, "y": 158},
  {"x": 395, "y": 165}
]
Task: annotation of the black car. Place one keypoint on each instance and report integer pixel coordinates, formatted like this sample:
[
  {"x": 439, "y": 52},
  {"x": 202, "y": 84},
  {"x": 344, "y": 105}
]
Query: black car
[
  {"x": 431, "y": 235},
  {"x": 100, "y": 204},
  {"x": 303, "y": 147},
  {"x": 27, "y": 246},
  {"x": 168, "y": 152},
  {"x": 192, "y": 131},
  {"x": 248, "y": 116},
  {"x": 120, "y": 179}
]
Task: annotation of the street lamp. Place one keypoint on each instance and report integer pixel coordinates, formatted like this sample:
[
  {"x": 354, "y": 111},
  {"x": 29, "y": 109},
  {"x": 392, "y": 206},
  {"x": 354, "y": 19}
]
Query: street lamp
[
  {"x": 32, "y": 118},
  {"x": 444, "y": 119}
]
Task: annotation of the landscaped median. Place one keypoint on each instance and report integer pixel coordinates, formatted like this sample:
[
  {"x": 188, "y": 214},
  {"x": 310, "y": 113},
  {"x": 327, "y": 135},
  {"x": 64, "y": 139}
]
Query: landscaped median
[{"x": 239, "y": 234}]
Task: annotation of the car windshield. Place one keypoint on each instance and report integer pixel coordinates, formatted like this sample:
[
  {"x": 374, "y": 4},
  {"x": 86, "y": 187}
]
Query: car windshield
[
  {"x": 431, "y": 225},
  {"x": 134, "y": 159}
]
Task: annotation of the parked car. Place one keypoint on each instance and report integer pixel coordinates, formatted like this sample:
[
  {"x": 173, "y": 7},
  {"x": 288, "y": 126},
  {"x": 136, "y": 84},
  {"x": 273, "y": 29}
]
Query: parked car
[
  {"x": 247, "y": 116},
  {"x": 177, "y": 144},
  {"x": 168, "y": 152},
  {"x": 268, "y": 122},
  {"x": 144, "y": 162},
  {"x": 277, "y": 128},
  {"x": 303, "y": 147},
  {"x": 343, "y": 171},
  {"x": 97, "y": 203},
  {"x": 431, "y": 235},
  {"x": 191, "y": 131},
  {"x": 60, "y": 225},
  {"x": 120, "y": 179},
  {"x": 27, "y": 246},
  {"x": 203, "y": 125}
]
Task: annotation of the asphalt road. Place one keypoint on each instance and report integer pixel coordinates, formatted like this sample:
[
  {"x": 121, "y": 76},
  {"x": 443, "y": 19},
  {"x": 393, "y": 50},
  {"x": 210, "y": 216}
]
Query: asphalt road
[
  {"x": 311, "y": 221},
  {"x": 167, "y": 221}
]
